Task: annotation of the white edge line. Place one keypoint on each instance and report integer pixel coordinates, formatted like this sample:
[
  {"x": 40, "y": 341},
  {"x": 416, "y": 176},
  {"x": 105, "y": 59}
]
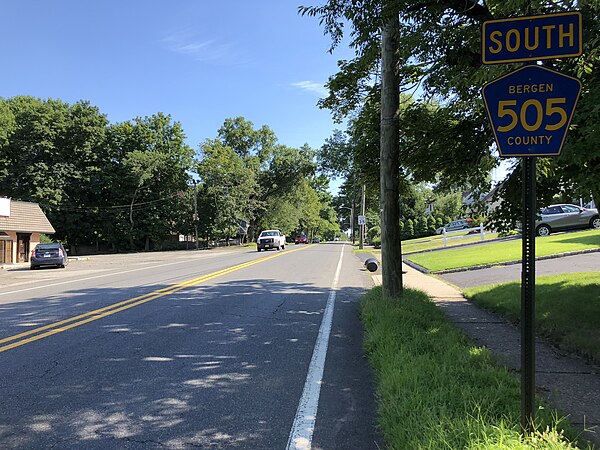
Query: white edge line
[{"x": 306, "y": 415}]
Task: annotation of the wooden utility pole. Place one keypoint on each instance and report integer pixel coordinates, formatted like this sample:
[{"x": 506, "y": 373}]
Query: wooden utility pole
[
  {"x": 362, "y": 213},
  {"x": 391, "y": 253}
]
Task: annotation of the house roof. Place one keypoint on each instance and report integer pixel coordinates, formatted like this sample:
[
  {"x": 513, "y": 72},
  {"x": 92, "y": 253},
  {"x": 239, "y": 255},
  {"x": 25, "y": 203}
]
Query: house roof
[{"x": 26, "y": 217}]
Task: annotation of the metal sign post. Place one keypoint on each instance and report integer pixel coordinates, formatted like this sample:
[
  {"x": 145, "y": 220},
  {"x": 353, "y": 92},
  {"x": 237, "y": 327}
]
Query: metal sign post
[
  {"x": 530, "y": 110},
  {"x": 528, "y": 297}
]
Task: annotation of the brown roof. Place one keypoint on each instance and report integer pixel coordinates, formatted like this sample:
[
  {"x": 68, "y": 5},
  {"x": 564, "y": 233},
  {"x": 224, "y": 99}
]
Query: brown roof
[{"x": 26, "y": 217}]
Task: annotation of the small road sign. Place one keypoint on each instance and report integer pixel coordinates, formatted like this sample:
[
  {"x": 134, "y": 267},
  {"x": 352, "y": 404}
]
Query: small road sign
[
  {"x": 362, "y": 220},
  {"x": 531, "y": 38},
  {"x": 530, "y": 110}
]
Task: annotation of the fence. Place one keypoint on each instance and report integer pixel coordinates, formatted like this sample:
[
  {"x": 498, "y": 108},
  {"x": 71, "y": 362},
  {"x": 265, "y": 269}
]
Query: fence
[{"x": 470, "y": 230}]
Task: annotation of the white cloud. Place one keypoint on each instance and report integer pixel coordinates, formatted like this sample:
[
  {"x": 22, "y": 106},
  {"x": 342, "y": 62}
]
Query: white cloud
[
  {"x": 311, "y": 86},
  {"x": 185, "y": 43}
]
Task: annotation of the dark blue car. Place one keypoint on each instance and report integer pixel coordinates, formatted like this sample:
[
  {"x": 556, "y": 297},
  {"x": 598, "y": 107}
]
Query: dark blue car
[{"x": 48, "y": 255}]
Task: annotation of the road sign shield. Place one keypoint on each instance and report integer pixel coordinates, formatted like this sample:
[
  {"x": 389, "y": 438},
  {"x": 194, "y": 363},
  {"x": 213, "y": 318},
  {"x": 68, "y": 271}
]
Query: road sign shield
[{"x": 530, "y": 110}]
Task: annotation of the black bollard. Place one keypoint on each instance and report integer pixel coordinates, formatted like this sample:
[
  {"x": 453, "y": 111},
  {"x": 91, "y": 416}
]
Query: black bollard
[{"x": 372, "y": 264}]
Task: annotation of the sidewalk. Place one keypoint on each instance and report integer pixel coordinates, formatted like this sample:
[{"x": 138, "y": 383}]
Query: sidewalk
[{"x": 564, "y": 381}]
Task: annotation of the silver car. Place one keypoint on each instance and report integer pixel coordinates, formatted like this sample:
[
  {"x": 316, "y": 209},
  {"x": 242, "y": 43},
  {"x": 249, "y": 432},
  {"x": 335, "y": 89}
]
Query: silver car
[
  {"x": 461, "y": 224},
  {"x": 564, "y": 217}
]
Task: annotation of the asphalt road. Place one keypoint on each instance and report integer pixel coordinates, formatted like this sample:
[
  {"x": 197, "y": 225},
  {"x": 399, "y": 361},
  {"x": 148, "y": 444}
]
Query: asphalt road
[
  {"x": 187, "y": 350},
  {"x": 588, "y": 262}
]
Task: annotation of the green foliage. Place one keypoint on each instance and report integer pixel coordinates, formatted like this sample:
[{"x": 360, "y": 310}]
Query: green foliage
[
  {"x": 448, "y": 141},
  {"x": 431, "y": 225},
  {"x": 373, "y": 233},
  {"x": 376, "y": 242},
  {"x": 435, "y": 389},
  {"x": 227, "y": 184},
  {"x": 421, "y": 226},
  {"x": 409, "y": 229}
]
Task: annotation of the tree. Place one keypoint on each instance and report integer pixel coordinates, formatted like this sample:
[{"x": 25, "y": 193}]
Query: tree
[
  {"x": 439, "y": 49},
  {"x": 54, "y": 154},
  {"x": 227, "y": 184},
  {"x": 391, "y": 250},
  {"x": 150, "y": 164}
]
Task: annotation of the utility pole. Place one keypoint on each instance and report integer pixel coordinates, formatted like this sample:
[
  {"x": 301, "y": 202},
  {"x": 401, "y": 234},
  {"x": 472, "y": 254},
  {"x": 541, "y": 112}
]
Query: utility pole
[
  {"x": 195, "y": 214},
  {"x": 362, "y": 213},
  {"x": 352, "y": 215},
  {"x": 391, "y": 254}
]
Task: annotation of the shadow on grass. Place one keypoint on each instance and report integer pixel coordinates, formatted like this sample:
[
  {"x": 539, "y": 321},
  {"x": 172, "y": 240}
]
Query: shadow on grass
[
  {"x": 567, "y": 309},
  {"x": 590, "y": 238}
]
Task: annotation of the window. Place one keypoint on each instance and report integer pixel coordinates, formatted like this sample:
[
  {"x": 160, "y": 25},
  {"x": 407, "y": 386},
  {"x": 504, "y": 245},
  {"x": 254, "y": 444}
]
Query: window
[{"x": 570, "y": 209}]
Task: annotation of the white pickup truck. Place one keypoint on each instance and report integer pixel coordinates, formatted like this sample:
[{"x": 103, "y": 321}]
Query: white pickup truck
[{"x": 270, "y": 239}]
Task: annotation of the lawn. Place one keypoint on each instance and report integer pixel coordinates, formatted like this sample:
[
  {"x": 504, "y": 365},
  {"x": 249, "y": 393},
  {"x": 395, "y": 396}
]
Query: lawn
[
  {"x": 437, "y": 242},
  {"x": 437, "y": 390},
  {"x": 567, "y": 308},
  {"x": 506, "y": 251}
]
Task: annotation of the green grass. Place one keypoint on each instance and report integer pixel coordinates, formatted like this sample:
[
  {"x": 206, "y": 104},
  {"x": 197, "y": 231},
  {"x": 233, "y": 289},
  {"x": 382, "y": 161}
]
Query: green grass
[
  {"x": 506, "y": 251},
  {"x": 436, "y": 390},
  {"x": 418, "y": 245},
  {"x": 567, "y": 308},
  {"x": 437, "y": 242}
]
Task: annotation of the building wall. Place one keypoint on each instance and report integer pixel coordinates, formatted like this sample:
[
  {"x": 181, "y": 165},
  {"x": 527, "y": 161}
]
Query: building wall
[{"x": 34, "y": 239}]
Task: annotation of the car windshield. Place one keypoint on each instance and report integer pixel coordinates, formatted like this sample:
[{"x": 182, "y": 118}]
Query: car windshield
[
  {"x": 269, "y": 233},
  {"x": 47, "y": 246}
]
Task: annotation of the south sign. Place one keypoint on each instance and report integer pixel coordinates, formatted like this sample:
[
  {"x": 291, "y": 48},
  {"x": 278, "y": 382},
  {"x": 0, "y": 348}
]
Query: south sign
[
  {"x": 531, "y": 38},
  {"x": 530, "y": 110}
]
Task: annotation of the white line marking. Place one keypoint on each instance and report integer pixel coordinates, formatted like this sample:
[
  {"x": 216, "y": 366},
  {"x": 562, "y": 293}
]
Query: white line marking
[
  {"x": 306, "y": 414},
  {"x": 78, "y": 280}
]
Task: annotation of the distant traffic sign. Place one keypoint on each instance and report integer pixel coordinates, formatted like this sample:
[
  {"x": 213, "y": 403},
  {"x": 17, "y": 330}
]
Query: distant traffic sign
[
  {"x": 362, "y": 220},
  {"x": 530, "y": 110},
  {"x": 531, "y": 38}
]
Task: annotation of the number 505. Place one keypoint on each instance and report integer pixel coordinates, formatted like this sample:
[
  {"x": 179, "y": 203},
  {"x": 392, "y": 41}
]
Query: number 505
[{"x": 508, "y": 108}]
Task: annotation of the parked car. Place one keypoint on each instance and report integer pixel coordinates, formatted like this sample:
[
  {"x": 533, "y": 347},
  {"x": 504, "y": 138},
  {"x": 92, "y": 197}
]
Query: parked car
[
  {"x": 565, "y": 217},
  {"x": 301, "y": 239},
  {"x": 270, "y": 239},
  {"x": 316, "y": 240},
  {"x": 461, "y": 224},
  {"x": 48, "y": 255}
]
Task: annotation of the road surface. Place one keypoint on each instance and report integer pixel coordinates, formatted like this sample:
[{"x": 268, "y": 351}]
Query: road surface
[{"x": 187, "y": 350}]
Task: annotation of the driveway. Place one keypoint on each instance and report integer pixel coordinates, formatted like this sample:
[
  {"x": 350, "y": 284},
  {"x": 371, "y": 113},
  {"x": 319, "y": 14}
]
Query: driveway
[{"x": 588, "y": 262}]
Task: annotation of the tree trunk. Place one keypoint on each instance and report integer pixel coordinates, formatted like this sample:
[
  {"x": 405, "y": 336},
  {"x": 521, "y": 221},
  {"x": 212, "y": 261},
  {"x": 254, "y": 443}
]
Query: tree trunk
[{"x": 391, "y": 253}]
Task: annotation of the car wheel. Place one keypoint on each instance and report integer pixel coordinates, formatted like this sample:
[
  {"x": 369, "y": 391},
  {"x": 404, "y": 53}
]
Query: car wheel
[
  {"x": 543, "y": 230},
  {"x": 283, "y": 247},
  {"x": 258, "y": 249},
  {"x": 595, "y": 223}
]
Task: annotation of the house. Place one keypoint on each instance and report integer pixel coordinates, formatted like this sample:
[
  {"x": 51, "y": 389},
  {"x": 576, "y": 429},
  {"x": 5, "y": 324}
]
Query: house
[{"x": 21, "y": 224}]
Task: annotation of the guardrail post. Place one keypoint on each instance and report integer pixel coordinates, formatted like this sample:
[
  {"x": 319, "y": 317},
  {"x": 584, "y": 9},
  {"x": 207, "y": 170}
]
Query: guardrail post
[{"x": 482, "y": 231}]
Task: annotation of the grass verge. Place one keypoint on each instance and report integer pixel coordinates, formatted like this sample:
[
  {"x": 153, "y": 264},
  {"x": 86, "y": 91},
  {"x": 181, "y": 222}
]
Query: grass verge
[
  {"x": 437, "y": 242},
  {"x": 567, "y": 308},
  {"x": 506, "y": 251},
  {"x": 436, "y": 390}
]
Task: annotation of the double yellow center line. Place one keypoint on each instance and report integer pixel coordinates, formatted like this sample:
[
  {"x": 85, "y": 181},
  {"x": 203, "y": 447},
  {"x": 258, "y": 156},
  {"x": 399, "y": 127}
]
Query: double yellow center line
[{"x": 58, "y": 327}]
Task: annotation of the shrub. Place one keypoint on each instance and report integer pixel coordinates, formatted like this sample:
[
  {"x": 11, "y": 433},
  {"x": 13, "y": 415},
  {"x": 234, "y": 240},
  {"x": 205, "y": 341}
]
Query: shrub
[{"x": 409, "y": 229}]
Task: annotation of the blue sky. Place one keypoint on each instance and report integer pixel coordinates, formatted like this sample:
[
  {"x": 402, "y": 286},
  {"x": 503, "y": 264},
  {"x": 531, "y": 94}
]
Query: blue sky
[{"x": 199, "y": 60}]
